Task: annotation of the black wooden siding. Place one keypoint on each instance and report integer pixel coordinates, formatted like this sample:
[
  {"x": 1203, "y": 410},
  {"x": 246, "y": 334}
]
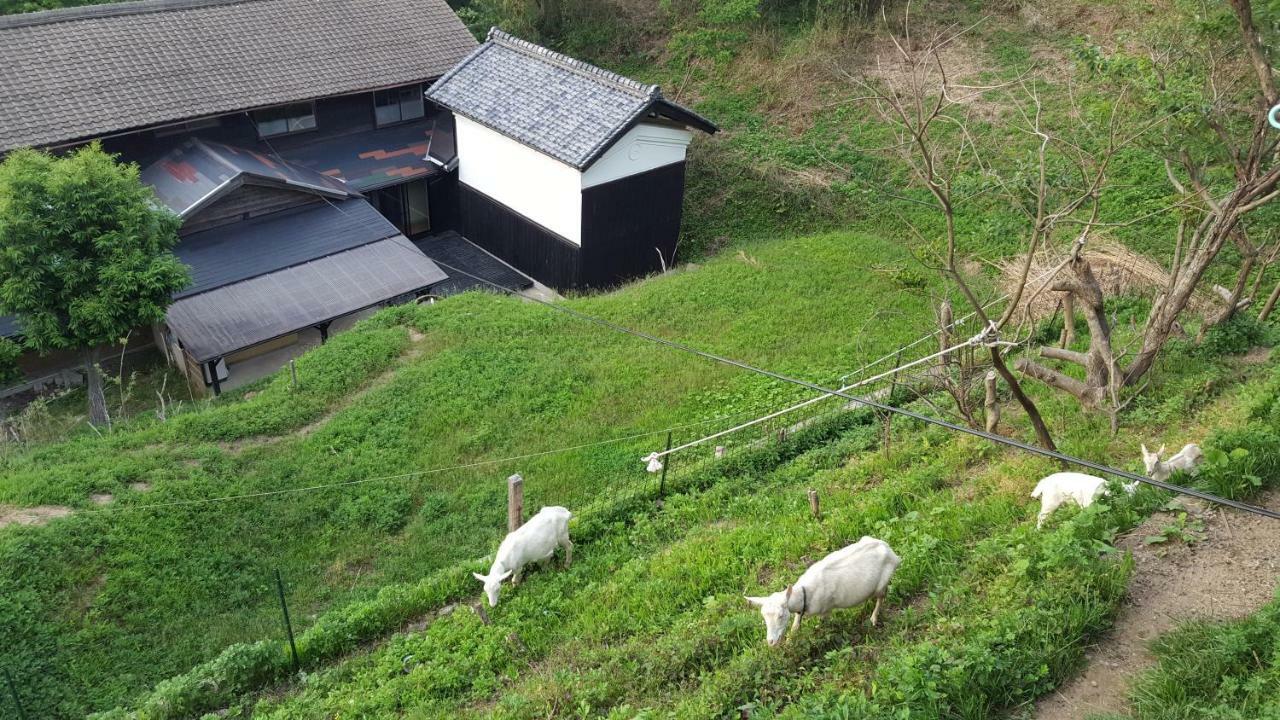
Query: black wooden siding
[
  {"x": 533, "y": 249},
  {"x": 243, "y": 203},
  {"x": 625, "y": 223}
]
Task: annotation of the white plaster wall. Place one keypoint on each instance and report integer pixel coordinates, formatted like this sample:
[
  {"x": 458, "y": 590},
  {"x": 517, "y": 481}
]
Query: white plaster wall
[
  {"x": 535, "y": 185},
  {"x": 642, "y": 148}
]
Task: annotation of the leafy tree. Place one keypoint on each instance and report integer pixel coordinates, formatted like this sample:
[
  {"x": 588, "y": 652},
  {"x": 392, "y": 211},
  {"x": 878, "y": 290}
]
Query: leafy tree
[{"x": 84, "y": 254}]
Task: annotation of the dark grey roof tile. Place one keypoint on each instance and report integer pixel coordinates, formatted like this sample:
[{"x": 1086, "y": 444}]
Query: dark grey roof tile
[
  {"x": 78, "y": 73},
  {"x": 563, "y": 107}
]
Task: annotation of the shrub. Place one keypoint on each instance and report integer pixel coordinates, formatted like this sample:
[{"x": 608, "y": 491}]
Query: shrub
[
  {"x": 1240, "y": 461},
  {"x": 1235, "y": 336}
]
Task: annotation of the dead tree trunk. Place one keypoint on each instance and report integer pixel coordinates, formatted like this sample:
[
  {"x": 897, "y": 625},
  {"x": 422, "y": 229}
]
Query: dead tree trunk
[
  {"x": 93, "y": 385},
  {"x": 1271, "y": 304},
  {"x": 1068, "y": 321},
  {"x": 991, "y": 408}
]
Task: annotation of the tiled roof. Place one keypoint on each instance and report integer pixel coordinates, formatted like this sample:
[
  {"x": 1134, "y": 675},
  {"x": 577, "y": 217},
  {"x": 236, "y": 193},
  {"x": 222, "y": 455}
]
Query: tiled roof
[
  {"x": 566, "y": 108},
  {"x": 78, "y": 73},
  {"x": 199, "y": 171}
]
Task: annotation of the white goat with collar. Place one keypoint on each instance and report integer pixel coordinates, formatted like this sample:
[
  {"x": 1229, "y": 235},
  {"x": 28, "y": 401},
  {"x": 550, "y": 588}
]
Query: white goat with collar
[
  {"x": 845, "y": 578},
  {"x": 534, "y": 541},
  {"x": 1186, "y": 460}
]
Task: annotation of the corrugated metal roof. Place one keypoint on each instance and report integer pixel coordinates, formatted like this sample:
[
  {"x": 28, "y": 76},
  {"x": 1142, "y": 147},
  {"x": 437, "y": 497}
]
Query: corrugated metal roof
[
  {"x": 566, "y": 108},
  {"x": 198, "y": 171},
  {"x": 244, "y": 314},
  {"x": 382, "y": 157},
  {"x": 243, "y": 250},
  {"x": 78, "y": 73}
]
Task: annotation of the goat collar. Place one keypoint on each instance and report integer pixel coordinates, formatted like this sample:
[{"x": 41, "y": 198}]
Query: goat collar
[{"x": 804, "y": 601}]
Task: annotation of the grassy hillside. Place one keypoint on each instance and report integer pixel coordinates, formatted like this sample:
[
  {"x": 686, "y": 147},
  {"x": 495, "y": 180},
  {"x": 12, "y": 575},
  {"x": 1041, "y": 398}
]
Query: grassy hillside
[
  {"x": 99, "y": 607},
  {"x": 102, "y": 604}
]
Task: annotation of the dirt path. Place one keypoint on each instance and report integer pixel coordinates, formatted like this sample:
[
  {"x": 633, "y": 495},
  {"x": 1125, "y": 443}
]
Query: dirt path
[{"x": 1230, "y": 573}]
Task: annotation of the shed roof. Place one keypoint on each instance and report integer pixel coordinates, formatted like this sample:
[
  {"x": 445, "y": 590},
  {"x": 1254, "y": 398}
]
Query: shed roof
[
  {"x": 247, "y": 313},
  {"x": 565, "y": 108},
  {"x": 239, "y": 251},
  {"x": 78, "y": 73},
  {"x": 199, "y": 171}
]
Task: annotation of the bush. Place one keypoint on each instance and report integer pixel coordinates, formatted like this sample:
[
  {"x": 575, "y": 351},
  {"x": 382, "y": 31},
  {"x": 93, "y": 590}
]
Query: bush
[
  {"x": 1235, "y": 336},
  {"x": 1238, "y": 462}
]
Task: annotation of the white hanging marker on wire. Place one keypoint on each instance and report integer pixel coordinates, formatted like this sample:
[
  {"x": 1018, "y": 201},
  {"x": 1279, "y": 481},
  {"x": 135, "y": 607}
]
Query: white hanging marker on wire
[
  {"x": 1273, "y": 117},
  {"x": 655, "y": 464}
]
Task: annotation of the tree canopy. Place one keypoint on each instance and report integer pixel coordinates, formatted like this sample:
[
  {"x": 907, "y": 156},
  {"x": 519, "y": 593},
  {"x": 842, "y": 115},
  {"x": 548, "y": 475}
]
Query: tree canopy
[{"x": 84, "y": 249}]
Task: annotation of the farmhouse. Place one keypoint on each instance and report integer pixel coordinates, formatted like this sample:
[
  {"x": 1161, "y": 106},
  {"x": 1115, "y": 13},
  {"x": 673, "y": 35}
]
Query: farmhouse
[{"x": 329, "y": 157}]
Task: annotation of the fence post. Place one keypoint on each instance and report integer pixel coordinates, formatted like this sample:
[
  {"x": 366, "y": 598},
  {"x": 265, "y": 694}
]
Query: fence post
[
  {"x": 720, "y": 451},
  {"x": 515, "y": 502},
  {"x": 944, "y": 334},
  {"x": 888, "y": 417},
  {"x": 666, "y": 463},
  {"x": 288, "y": 625},
  {"x": 13, "y": 690},
  {"x": 813, "y": 504}
]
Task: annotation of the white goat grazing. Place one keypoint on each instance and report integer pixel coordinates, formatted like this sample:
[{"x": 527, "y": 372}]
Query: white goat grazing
[
  {"x": 845, "y": 578},
  {"x": 1187, "y": 460},
  {"x": 534, "y": 541},
  {"x": 1060, "y": 488}
]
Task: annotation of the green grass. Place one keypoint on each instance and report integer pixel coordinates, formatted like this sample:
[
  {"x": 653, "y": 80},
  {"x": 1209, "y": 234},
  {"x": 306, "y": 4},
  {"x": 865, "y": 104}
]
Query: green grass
[
  {"x": 987, "y": 613},
  {"x": 1215, "y": 671},
  {"x": 103, "y": 604}
]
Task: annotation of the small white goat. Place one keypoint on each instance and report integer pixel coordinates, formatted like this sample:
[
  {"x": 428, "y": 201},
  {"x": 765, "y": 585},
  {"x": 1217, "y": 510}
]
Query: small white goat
[
  {"x": 1187, "y": 460},
  {"x": 534, "y": 541},
  {"x": 1060, "y": 488},
  {"x": 845, "y": 578}
]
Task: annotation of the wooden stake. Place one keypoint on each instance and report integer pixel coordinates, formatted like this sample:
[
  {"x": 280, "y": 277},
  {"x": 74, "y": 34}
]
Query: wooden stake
[
  {"x": 484, "y": 616},
  {"x": 991, "y": 409},
  {"x": 719, "y": 451},
  {"x": 813, "y": 504},
  {"x": 515, "y": 502}
]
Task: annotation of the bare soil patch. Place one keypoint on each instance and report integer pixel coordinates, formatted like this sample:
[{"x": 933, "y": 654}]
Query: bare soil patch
[
  {"x": 1228, "y": 574},
  {"x": 38, "y": 515}
]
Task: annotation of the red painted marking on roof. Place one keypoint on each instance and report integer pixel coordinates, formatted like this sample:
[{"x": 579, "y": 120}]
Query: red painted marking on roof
[
  {"x": 182, "y": 171},
  {"x": 418, "y": 149}
]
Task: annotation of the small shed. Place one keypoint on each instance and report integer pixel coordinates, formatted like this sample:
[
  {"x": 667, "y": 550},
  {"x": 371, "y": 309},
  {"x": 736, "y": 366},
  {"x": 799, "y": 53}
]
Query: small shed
[{"x": 569, "y": 172}]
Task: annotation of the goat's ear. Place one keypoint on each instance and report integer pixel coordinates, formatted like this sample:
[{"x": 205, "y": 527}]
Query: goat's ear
[
  {"x": 480, "y": 577},
  {"x": 1160, "y": 451},
  {"x": 505, "y": 575},
  {"x": 1145, "y": 452},
  {"x": 788, "y": 595},
  {"x": 757, "y": 601}
]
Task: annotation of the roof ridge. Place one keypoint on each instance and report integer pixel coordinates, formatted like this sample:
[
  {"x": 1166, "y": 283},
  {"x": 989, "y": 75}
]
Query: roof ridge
[
  {"x": 120, "y": 9},
  {"x": 634, "y": 87}
]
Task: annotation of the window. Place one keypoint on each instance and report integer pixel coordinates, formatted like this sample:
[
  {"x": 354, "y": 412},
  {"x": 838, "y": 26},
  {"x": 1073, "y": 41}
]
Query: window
[
  {"x": 285, "y": 119},
  {"x": 398, "y": 104}
]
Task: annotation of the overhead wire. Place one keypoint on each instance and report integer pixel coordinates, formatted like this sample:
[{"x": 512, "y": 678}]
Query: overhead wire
[{"x": 883, "y": 407}]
